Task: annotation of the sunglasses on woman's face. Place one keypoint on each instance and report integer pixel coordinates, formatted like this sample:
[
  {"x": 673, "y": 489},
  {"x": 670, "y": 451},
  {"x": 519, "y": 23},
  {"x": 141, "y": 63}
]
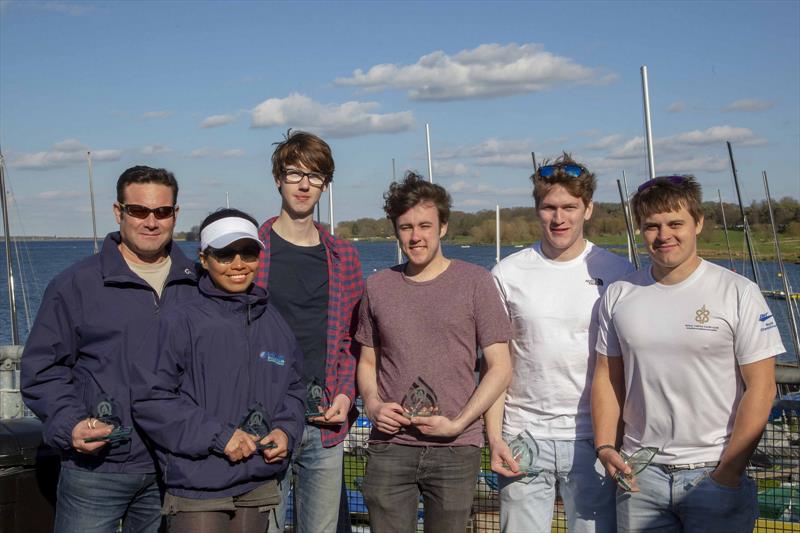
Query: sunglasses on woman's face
[{"x": 248, "y": 253}]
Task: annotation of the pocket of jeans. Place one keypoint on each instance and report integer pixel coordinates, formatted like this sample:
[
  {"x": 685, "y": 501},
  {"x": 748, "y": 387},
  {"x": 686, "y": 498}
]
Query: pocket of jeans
[
  {"x": 743, "y": 481},
  {"x": 374, "y": 448}
]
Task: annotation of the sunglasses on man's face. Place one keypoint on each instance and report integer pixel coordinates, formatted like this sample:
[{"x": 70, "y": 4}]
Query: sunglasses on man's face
[
  {"x": 141, "y": 212},
  {"x": 675, "y": 180},
  {"x": 249, "y": 253},
  {"x": 548, "y": 171}
]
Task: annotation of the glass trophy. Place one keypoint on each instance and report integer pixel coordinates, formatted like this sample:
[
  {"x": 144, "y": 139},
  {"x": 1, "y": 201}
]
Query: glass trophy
[
  {"x": 420, "y": 400},
  {"x": 525, "y": 451},
  {"x": 638, "y": 461},
  {"x": 107, "y": 411},
  {"x": 255, "y": 423},
  {"x": 316, "y": 400}
]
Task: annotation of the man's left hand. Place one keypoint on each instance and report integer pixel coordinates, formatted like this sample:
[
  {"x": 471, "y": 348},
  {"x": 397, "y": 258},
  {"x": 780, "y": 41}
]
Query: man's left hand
[
  {"x": 724, "y": 477},
  {"x": 436, "y": 426},
  {"x": 336, "y": 413},
  {"x": 281, "y": 449}
]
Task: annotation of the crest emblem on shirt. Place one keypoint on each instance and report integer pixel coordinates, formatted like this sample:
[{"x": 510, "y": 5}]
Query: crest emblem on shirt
[
  {"x": 595, "y": 281},
  {"x": 701, "y": 315}
]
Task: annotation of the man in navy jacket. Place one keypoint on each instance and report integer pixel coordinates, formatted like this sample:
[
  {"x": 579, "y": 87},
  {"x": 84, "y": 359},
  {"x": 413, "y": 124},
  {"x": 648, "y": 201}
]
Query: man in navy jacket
[{"x": 93, "y": 316}]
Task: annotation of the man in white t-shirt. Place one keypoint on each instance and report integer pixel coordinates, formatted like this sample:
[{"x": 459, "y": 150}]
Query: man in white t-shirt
[
  {"x": 551, "y": 291},
  {"x": 686, "y": 365}
]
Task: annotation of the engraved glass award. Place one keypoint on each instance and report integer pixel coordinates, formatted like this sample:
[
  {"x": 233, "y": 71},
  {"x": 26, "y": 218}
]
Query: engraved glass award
[
  {"x": 107, "y": 411},
  {"x": 525, "y": 451},
  {"x": 420, "y": 400},
  {"x": 255, "y": 423},
  {"x": 316, "y": 399},
  {"x": 638, "y": 461}
]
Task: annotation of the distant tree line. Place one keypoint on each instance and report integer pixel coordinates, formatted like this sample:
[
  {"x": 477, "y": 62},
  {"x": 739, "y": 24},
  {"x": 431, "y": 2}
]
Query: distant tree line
[{"x": 520, "y": 225}]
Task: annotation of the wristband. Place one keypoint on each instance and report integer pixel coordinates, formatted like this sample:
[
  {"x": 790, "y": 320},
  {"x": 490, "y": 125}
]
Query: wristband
[{"x": 603, "y": 447}]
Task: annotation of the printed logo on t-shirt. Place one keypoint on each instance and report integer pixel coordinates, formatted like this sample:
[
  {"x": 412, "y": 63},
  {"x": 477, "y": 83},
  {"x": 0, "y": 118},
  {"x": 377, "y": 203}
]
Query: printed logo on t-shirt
[
  {"x": 767, "y": 321},
  {"x": 701, "y": 317},
  {"x": 595, "y": 281},
  {"x": 272, "y": 357}
]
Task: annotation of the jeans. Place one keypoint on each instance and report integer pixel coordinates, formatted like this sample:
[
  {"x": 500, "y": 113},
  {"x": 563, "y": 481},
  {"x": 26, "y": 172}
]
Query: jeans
[
  {"x": 94, "y": 502},
  {"x": 396, "y": 475},
  {"x": 587, "y": 491},
  {"x": 317, "y": 475},
  {"x": 688, "y": 501}
]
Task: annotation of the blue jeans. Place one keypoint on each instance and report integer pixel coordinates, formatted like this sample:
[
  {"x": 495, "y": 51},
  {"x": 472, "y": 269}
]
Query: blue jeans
[
  {"x": 95, "y": 502},
  {"x": 688, "y": 501},
  {"x": 317, "y": 475},
  {"x": 587, "y": 491},
  {"x": 396, "y": 476}
]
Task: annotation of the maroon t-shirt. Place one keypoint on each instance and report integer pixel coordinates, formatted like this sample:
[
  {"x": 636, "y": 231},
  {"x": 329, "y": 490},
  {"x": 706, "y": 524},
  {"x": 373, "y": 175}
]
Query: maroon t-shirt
[{"x": 432, "y": 330}]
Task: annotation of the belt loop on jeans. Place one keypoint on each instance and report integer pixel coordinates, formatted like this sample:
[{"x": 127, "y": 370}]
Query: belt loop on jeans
[{"x": 688, "y": 466}]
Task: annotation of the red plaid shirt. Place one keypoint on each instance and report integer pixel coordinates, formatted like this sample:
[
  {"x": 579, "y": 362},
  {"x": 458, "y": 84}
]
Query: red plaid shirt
[{"x": 345, "y": 286}]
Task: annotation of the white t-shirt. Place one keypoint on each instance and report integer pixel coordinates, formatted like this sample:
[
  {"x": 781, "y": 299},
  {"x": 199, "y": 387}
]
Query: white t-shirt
[
  {"x": 553, "y": 311},
  {"x": 681, "y": 346}
]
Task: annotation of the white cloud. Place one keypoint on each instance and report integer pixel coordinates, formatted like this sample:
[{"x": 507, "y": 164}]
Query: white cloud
[
  {"x": 715, "y": 135},
  {"x": 65, "y": 153},
  {"x": 447, "y": 169},
  {"x": 693, "y": 165},
  {"x": 488, "y": 71},
  {"x": 349, "y": 119},
  {"x": 604, "y": 143},
  {"x": 200, "y": 152},
  {"x": 676, "y": 107},
  {"x": 156, "y": 114},
  {"x": 219, "y": 154},
  {"x": 154, "y": 149},
  {"x": 215, "y": 121},
  {"x": 233, "y": 152},
  {"x": 60, "y": 195},
  {"x": 749, "y": 104}
]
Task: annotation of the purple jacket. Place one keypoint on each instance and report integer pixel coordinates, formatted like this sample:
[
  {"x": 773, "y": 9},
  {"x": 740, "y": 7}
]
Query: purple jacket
[
  {"x": 92, "y": 318},
  {"x": 216, "y": 357}
]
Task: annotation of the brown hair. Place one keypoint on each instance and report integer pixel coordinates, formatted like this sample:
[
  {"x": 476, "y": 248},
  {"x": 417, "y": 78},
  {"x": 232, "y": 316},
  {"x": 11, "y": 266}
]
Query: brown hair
[
  {"x": 665, "y": 195},
  {"x": 414, "y": 190},
  {"x": 582, "y": 187},
  {"x": 300, "y": 147},
  {"x": 143, "y": 174}
]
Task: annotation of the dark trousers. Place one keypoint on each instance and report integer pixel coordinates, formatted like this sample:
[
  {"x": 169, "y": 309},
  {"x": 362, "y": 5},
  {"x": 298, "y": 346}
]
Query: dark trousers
[{"x": 396, "y": 475}]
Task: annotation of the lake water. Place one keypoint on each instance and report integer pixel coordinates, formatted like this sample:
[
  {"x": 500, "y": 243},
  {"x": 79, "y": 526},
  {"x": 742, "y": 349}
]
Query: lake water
[{"x": 42, "y": 260}]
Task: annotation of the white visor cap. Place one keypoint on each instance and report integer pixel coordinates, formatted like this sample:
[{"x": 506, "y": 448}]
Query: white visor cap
[{"x": 224, "y": 231}]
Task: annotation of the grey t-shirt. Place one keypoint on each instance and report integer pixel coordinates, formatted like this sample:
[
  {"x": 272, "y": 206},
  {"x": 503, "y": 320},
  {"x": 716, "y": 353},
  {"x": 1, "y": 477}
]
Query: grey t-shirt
[
  {"x": 155, "y": 274},
  {"x": 432, "y": 330}
]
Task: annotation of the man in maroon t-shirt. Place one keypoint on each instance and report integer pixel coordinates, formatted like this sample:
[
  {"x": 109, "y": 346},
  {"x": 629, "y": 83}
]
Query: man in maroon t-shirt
[{"x": 421, "y": 323}]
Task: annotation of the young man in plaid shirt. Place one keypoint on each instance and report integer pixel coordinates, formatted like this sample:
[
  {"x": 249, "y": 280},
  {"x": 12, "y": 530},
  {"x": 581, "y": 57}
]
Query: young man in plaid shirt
[{"x": 315, "y": 281}]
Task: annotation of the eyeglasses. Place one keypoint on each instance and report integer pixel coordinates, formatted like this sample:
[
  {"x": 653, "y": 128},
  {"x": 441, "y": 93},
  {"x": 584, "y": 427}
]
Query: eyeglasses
[
  {"x": 570, "y": 170},
  {"x": 675, "y": 180},
  {"x": 142, "y": 212},
  {"x": 248, "y": 253},
  {"x": 293, "y": 175}
]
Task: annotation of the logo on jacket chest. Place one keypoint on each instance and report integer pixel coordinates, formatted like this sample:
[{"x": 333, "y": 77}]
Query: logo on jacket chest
[{"x": 272, "y": 357}]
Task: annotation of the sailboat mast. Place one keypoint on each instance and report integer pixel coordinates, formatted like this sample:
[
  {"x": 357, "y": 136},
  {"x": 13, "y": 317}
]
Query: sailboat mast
[
  {"x": 648, "y": 129},
  {"x": 725, "y": 228},
  {"x": 91, "y": 197},
  {"x": 9, "y": 265},
  {"x": 628, "y": 224},
  {"x": 747, "y": 237},
  {"x": 782, "y": 270},
  {"x": 430, "y": 158}
]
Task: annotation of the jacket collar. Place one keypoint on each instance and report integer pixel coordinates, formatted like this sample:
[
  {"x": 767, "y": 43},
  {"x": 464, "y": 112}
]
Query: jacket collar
[
  {"x": 254, "y": 301},
  {"x": 114, "y": 269}
]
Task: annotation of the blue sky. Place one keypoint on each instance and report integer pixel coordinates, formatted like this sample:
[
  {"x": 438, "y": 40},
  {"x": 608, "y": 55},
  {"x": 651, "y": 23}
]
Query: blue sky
[{"x": 204, "y": 88}]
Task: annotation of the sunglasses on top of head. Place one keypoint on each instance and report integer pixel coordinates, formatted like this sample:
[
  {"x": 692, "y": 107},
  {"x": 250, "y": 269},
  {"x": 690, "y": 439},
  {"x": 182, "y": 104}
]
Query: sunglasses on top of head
[
  {"x": 141, "y": 212},
  {"x": 248, "y": 252},
  {"x": 548, "y": 171},
  {"x": 674, "y": 180}
]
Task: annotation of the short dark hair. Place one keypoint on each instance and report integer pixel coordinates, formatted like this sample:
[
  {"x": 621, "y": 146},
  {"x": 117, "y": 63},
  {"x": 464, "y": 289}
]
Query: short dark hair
[
  {"x": 226, "y": 212},
  {"x": 300, "y": 147},
  {"x": 413, "y": 190},
  {"x": 582, "y": 187},
  {"x": 665, "y": 195},
  {"x": 143, "y": 174}
]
